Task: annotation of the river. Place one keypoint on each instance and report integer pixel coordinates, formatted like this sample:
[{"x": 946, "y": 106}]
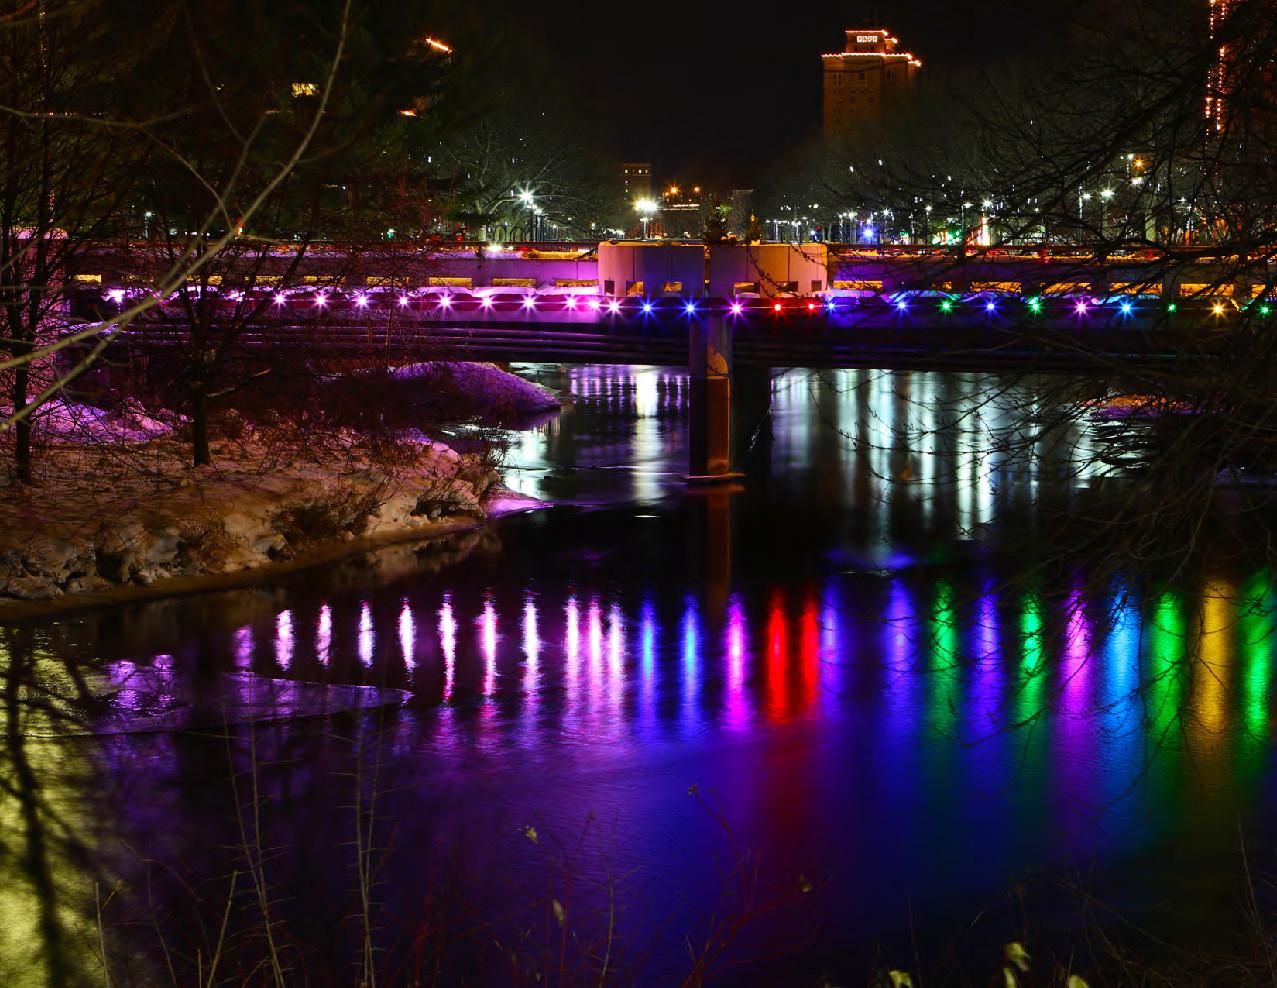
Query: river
[{"x": 860, "y": 708}]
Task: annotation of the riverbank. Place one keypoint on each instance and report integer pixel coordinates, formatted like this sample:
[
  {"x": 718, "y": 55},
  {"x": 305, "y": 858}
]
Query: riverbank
[{"x": 117, "y": 511}]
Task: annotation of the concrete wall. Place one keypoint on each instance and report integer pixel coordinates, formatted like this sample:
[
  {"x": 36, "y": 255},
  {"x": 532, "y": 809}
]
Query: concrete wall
[
  {"x": 654, "y": 266},
  {"x": 772, "y": 269}
]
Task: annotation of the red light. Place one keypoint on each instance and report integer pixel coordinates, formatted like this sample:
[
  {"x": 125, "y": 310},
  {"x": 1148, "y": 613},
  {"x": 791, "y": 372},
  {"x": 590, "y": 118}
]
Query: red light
[
  {"x": 776, "y": 307},
  {"x": 811, "y": 306}
]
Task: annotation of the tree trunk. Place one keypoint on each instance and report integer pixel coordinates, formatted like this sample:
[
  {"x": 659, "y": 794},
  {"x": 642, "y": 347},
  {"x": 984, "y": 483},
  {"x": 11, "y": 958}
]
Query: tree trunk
[
  {"x": 201, "y": 456},
  {"x": 22, "y": 428}
]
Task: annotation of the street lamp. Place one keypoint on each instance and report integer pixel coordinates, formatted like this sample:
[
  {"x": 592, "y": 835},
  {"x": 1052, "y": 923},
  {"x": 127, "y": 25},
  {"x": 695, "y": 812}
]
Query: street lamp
[
  {"x": 526, "y": 198},
  {"x": 645, "y": 207},
  {"x": 1105, "y": 196}
]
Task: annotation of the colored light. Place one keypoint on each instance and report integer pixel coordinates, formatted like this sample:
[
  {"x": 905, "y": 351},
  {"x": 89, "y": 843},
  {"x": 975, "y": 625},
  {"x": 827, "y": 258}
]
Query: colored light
[
  {"x": 647, "y": 307},
  {"x": 594, "y": 304},
  {"x": 528, "y": 303},
  {"x": 1172, "y": 307},
  {"x": 1035, "y": 304},
  {"x": 280, "y": 298},
  {"x": 691, "y": 308},
  {"x": 403, "y": 300},
  {"x": 319, "y": 299},
  {"x": 361, "y": 300},
  {"x": 946, "y": 306},
  {"x": 1126, "y": 308},
  {"x": 486, "y": 302},
  {"x": 990, "y": 307},
  {"x": 1217, "y": 309},
  {"x": 736, "y": 308},
  {"x": 1081, "y": 307},
  {"x": 614, "y": 306},
  {"x": 776, "y": 307},
  {"x": 444, "y": 301},
  {"x": 1263, "y": 310},
  {"x": 116, "y": 295},
  {"x": 902, "y": 305},
  {"x": 570, "y": 302}
]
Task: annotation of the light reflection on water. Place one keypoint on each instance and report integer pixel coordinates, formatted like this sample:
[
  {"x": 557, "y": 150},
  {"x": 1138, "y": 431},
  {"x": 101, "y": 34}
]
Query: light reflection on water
[{"x": 879, "y": 704}]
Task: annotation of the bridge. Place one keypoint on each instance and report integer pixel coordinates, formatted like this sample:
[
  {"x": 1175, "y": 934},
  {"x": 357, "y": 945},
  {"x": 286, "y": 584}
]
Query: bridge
[{"x": 717, "y": 308}]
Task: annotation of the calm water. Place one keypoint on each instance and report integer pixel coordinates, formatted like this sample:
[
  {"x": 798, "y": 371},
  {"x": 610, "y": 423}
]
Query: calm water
[{"x": 860, "y": 694}]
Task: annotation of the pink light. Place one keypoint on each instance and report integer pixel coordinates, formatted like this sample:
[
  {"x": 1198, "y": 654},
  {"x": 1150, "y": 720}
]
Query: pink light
[
  {"x": 403, "y": 299},
  {"x": 488, "y": 624},
  {"x": 445, "y": 301},
  {"x": 284, "y": 639},
  {"x": 736, "y": 308},
  {"x": 366, "y": 635},
  {"x": 280, "y": 298},
  {"x": 594, "y": 304},
  {"x": 528, "y": 303},
  {"x": 116, "y": 295},
  {"x": 319, "y": 299},
  {"x": 614, "y": 306},
  {"x": 407, "y": 635},
  {"x": 361, "y": 300},
  {"x": 448, "y": 640},
  {"x": 1081, "y": 307},
  {"x": 324, "y": 634},
  {"x": 570, "y": 302}
]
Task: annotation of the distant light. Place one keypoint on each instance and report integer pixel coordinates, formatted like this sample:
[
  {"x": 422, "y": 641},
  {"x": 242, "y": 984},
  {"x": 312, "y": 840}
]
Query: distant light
[
  {"x": 736, "y": 308},
  {"x": 444, "y": 301},
  {"x": 776, "y": 307},
  {"x": 902, "y": 305},
  {"x": 614, "y": 306},
  {"x": 361, "y": 300},
  {"x": 116, "y": 295},
  {"x": 1172, "y": 307},
  {"x": 594, "y": 304},
  {"x": 1217, "y": 309},
  {"x": 691, "y": 308},
  {"x": 990, "y": 306},
  {"x": 403, "y": 300},
  {"x": 1081, "y": 307},
  {"x": 1263, "y": 310},
  {"x": 280, "y": 298},
  {"x": 1035, "y": 304},
  {"x": 319, "y": 299},
  {"x": 946, "y": 305},
  {"x": 529, "y": 303},
  {"x": 647, "y": 307},
  {"x": 486, "y": 301},
  {"x": 1126, "y": 308},
  {"x": 570, "y": 301}
]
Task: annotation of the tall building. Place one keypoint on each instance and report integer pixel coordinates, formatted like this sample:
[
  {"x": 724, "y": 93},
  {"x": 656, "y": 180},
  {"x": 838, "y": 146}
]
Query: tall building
[
  {"x": 866, "y": 83},
  {"x": 1215, "y": 87},
  {"x": 636, "y": 180}
]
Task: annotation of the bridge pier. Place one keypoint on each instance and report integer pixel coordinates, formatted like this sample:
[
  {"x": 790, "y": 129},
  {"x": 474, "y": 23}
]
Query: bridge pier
[{"x": 709, "y": 362}]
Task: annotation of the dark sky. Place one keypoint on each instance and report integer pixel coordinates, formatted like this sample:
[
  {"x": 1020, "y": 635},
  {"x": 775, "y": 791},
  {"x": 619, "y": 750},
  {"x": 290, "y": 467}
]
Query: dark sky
[{"x": 710, "y": 92}]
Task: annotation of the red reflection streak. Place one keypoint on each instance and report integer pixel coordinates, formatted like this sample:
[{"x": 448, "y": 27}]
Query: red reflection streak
[
  {"x": 448, "y": 641},
  {"x": 324, "y": 635},
  {"x": 777, "y": 700},
  {"x": 809, "y": 656},
  {"x": 489, "y": 635},
  {"x": 284, "y": 639},
  {"x": 408, "y": 636}
]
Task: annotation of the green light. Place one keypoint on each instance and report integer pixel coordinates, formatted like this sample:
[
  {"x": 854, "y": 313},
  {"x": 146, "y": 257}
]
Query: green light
[
  {"x": 1035, "y": 304},
  {"x": 1172, "y": 307},
  {"x": 1263, "y": 310},
  {"x": 946, "y": 305}
]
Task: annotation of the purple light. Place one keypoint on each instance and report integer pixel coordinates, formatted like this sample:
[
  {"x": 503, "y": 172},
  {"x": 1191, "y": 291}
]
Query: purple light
[
  {"x": 366, "y": 635},
  {"x": 570, "y": 302},
  {"x": 361, "y": 300},
  {"x": 736, "y": 308},
  {"x": 116, "y": 295},
  {"x": 1081, "y": 307},
  {"x": 319, "y": 299},
  {"x": 486, "y": 302},
  {"x": 691, "y": 308},
  {"x": 902, "y": 305},
  {"x": 614, "y": 306},
  {"x": 403, "y": 299},
  {"x": 448, "y": 641},
  {"x": 990, "y": 307},
  {"x": 529, "y": 303},
  {"x": 594, "y": 304},
  {"x": 647, "y": 307},
  {"x": 444, "y": 301},
  {"x": 280, "y": 298},
  {"x": 407, "y": 635}
]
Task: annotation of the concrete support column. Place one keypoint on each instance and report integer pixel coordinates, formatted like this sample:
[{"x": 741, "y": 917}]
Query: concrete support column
[{"x": 709, "y": 360}]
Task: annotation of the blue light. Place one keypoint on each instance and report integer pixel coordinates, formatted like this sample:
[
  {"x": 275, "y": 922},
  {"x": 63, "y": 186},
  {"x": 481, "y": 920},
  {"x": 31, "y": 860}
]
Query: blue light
[
  {"x": 647, "y": 307},
  {"x": 1126, "y": 308},
  {"x": 902, "y": 305},
  {"x": 691, "y": 308},
  {"x": 989, "y": 306}
]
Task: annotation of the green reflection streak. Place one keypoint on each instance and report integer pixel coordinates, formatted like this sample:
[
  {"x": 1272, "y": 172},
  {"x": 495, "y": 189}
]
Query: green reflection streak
[
  {"x": 1255, "y": 634},
  {"x": 1166, "y": 647},
  {"x": 944, "y": 658},
  {"x": 1033, "y": 657}
]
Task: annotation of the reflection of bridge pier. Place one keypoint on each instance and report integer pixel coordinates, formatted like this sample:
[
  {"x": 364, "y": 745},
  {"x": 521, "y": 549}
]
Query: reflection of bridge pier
[{"x": 709, "y": 361}]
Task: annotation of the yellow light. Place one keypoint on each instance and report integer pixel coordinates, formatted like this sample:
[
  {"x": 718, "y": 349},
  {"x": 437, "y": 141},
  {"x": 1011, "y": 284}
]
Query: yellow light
[
  {"x": 1218, "y": 309},
  {"x": 1139, "y": 162},
  {"x": 437, "y": 45},
  {"x": 673, "y": 190},
  {"x": 305, "y": 89}
]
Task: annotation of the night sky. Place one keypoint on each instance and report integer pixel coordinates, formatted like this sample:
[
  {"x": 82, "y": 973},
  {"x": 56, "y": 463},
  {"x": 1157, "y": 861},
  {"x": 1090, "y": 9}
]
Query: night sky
[{"x": 714, "y": 92}]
